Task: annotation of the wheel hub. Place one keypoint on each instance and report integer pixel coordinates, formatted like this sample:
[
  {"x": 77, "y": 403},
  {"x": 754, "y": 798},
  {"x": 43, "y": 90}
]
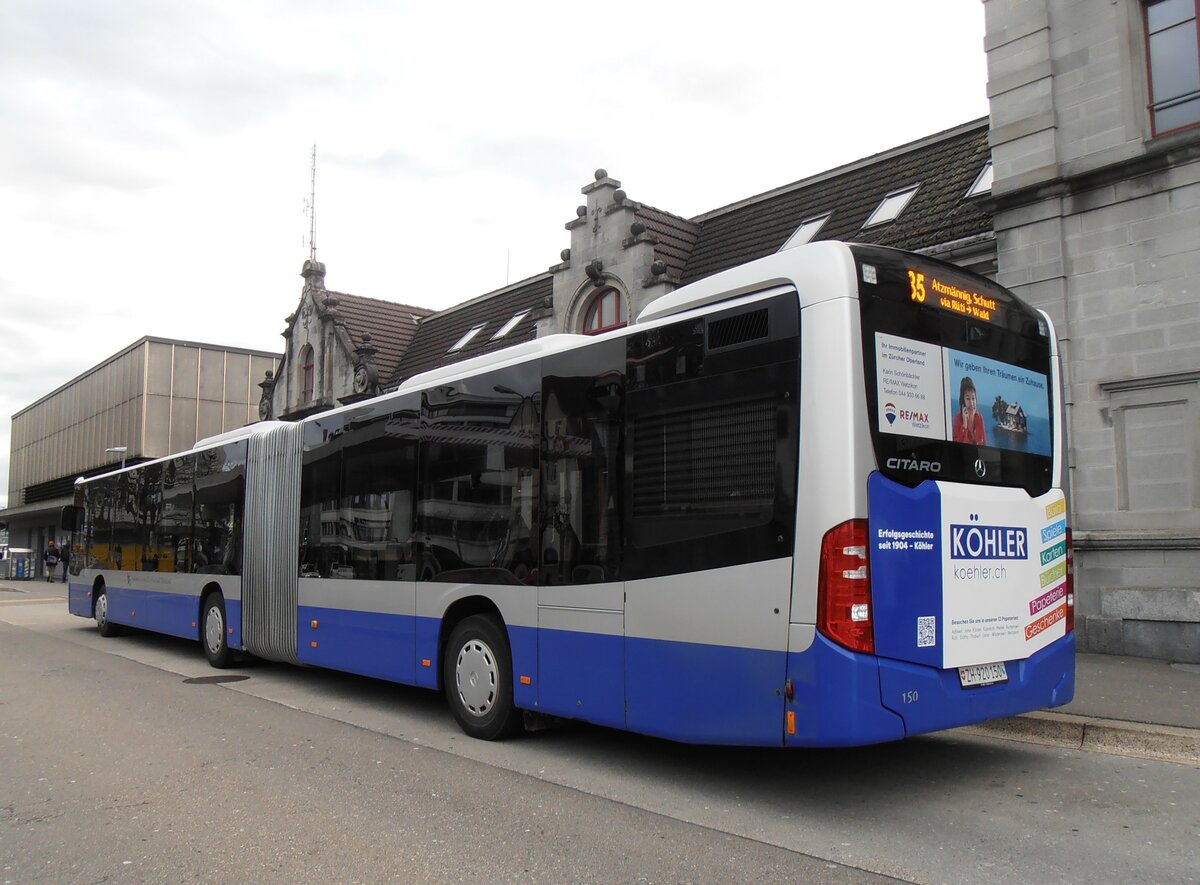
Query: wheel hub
[
  {"x": 214, "y": 629},
  {"x": 475, "y": 674}
]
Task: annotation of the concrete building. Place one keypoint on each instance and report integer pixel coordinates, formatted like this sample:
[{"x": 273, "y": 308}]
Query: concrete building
[
  {"x": 155, "y": 397},
  {"x": 1095, "y": 137}
]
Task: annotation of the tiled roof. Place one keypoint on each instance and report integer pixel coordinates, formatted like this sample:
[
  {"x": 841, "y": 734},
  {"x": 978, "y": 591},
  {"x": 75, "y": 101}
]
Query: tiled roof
[
  {"x": 676, "y": 237},
  {"x": 441, "y": 331},
  {"x": 390, "y": 325},
  {"x": 944, "y": 165}
]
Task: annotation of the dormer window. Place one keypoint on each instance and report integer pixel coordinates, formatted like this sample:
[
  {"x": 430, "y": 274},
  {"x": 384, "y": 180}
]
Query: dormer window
[
  {"x": 983, "y": 182},
  {"x": 806, "y": 232},
  {"x": 606, "y": 311},
  {"x": 466, "y": 339},
  {"x": 891, "y": 207},
  {"x": 509, "y": 326}
]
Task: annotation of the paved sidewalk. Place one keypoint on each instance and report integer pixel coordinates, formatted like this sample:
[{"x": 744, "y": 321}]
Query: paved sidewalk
[
  {"x": 1136, "y": 690},
  {"x": 1130, "y": 706}
]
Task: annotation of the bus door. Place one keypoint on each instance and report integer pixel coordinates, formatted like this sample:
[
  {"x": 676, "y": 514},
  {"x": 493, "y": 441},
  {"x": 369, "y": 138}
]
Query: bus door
[{"x": 581, "y": 592}]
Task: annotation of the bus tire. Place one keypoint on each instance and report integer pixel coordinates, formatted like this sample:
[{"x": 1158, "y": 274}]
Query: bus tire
[
  {"x": 104, "y": 626},
  {"x": 477, "y": 675},
  {"x": 214, "y": 635}
]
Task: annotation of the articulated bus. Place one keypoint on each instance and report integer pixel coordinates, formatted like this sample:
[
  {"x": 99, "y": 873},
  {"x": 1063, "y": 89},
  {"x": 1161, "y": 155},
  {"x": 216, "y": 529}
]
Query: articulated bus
[{"x": 815, "y": 500}]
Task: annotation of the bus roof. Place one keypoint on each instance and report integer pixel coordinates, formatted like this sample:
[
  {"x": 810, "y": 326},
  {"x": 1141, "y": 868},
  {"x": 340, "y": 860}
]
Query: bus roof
[{"x": 810, "y": 269}]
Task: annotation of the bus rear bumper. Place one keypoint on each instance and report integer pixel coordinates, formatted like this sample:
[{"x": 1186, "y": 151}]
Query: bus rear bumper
[
  {"x": 843, "y": 698},
  {"x": 930, "y": 699}
]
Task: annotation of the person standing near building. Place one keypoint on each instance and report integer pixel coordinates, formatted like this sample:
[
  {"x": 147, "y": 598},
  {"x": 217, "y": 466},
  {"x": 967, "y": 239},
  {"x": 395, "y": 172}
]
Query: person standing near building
[
  {"x": 64, "y": 556},
  {"x": 51, "y": 559}
]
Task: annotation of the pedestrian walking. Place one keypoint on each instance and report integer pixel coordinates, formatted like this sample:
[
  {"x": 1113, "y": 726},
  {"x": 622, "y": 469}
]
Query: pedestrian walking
[
  {"x": 51, "y": 559},
  {"x": 64, "y": 556}
]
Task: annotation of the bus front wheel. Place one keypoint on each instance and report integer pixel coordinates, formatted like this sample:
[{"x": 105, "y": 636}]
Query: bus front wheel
[
  {"x": 477, "y": 673},
  {"x": 214, "y": 635},
  {"x": 104, "y": 626}
]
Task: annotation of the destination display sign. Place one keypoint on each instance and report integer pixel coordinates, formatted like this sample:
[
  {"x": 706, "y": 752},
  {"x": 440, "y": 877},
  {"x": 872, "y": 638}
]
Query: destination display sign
[{"x": 930, "y": 286}]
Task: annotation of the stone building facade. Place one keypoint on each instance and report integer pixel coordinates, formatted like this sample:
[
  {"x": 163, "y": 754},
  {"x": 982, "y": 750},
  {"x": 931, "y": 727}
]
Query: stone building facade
[
  {"x": 338, "y": 347},
  {"x": 1095, "y": 136}
]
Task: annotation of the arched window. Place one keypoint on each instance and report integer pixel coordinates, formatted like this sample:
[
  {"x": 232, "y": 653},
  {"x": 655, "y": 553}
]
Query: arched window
[
  {"x": 306, "y": 374},
  {"x": 606, "y": 311}
]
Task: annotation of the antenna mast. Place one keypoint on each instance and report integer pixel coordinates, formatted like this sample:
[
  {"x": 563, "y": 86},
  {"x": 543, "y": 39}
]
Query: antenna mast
[{"x": 311, "y": 208}]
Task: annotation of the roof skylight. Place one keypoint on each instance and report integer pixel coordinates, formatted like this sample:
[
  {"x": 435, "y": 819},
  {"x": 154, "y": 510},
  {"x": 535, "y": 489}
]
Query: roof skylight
[
  {"x": 891, "y": 207},
  {"x": 466, "y": 339},
  {"x": 509, "y": 326},
  {"x": 806, "y": 231},
  {"x": 983, "y": 183}
]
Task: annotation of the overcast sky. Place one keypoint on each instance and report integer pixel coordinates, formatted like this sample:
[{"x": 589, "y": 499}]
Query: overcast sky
[{"x": 155, "y": 160}]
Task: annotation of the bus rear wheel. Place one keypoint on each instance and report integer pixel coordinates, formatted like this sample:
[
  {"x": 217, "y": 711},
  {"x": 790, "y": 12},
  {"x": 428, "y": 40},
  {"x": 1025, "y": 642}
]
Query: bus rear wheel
[
  {"x": 477, "y": 674},
  {"x": 104, "y": 626},
  {"x": 213, "y": 634}
]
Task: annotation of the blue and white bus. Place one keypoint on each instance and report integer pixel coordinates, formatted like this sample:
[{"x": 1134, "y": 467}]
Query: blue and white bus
[{"x": 815, "y": 500}]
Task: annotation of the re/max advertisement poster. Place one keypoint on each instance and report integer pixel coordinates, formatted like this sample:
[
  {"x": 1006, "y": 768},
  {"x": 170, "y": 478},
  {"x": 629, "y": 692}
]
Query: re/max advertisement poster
[{"x": 941, "y": 393}]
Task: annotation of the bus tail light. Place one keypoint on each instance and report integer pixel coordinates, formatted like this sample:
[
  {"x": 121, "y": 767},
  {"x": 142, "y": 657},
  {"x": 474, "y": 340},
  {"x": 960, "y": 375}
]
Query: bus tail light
[
  {"x": 1070, "y": 584},
  {"x": 844, "y": 587}
]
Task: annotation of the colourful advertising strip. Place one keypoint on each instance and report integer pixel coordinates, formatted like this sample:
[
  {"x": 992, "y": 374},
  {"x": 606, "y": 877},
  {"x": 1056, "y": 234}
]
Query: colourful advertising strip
[
  {"x": 1050, "y": 575},
  {"x": 1050, "y": 608},
  {"x": 1045, "y": 622},
  {"x": 1043, "y": 602}
]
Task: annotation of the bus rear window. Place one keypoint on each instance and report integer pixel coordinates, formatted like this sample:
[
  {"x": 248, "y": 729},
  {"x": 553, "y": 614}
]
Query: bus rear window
[{"x": 958, "y": 375}]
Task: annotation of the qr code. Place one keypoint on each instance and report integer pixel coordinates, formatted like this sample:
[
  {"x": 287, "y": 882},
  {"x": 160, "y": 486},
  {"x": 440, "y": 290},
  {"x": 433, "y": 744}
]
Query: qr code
[{"x": 926, "y": 632}]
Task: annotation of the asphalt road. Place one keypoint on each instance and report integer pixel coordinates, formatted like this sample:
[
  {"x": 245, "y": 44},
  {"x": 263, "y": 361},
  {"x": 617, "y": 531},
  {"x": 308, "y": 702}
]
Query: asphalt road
[{"x": 114, "y": 767}]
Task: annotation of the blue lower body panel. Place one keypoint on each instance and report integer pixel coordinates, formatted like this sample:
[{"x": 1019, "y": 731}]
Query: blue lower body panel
[
  {"x": 524, "y": 644},
  {"x": 233, "y": 623},
  {"x": 79, "y": 600},
  {"x": 367, "y": 643},
  {"x": 704, "y": 694},
  {"x": 582, "y": 676},
  {"x": 174, "y": 614}
]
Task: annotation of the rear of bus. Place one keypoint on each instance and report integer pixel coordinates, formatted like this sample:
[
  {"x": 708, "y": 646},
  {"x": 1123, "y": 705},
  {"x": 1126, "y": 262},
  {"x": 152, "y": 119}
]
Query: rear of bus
[{"x": 951, "y": 602}]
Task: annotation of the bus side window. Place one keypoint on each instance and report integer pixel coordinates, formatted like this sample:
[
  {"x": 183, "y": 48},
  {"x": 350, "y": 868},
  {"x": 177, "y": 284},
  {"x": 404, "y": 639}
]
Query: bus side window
[
  {"x": 477, "y": 508},
  {"x": 581, "y": 466},
  {"x": 377, "y": 497},
  {"x": 215, "y": 545},
  {"x": 176, "y": 524}
]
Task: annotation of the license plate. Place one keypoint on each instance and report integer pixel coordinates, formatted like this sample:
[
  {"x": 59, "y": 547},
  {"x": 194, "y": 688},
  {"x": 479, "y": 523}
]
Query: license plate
[{"x": 982, "y": 674}]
